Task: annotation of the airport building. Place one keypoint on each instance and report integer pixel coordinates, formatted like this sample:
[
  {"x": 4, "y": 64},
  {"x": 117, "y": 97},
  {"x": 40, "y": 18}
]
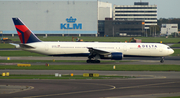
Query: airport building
[
  {"x": 54, "y": 16},
  {"x": 168, "y": 29},
  {"x": 116, "y": 28},
  {"x": 139, "y": 11}
]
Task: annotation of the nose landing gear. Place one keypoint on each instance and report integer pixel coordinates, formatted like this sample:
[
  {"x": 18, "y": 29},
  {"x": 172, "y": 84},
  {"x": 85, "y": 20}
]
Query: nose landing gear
[{"x": 162, "y": 60}]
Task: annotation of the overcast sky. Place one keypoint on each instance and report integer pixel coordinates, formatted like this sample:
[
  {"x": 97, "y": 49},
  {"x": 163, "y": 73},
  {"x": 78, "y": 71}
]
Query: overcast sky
[{"x": 166, "y": 8}]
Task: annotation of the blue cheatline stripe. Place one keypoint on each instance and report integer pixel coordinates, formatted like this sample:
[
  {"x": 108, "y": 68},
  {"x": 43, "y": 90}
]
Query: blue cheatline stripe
[{"x": 55, "y": 32}]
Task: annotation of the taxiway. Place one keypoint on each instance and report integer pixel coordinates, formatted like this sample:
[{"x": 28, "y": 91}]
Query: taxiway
[{"x": 147, "y": 84}]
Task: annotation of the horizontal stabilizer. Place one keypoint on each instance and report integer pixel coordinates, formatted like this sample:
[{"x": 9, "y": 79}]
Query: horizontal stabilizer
[
  {"x": 25, "y": 46},
  {"x": 16, "y": 45}
]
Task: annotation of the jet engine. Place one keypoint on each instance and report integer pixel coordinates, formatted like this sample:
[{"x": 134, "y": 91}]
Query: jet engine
[{"x": 113, "y": 56}]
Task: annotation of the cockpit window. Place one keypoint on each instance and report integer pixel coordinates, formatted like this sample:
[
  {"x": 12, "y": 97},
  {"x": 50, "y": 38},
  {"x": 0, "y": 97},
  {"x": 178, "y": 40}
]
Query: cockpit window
[{"x": 168, "y": 48}]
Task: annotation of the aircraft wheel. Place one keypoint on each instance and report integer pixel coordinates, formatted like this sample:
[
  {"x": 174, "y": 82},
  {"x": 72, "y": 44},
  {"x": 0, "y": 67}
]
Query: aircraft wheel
[
  {"x": 162, "y": 60},
  {"x": 97, "y": 61}
]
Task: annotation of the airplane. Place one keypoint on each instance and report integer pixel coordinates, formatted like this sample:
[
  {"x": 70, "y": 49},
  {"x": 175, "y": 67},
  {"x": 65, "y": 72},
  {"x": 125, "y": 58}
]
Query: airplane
[{"x": 93, "y": 50}]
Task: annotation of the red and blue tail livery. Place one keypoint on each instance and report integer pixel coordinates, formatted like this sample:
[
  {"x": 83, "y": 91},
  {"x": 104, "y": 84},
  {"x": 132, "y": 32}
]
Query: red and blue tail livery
[{"x": 25, "y": 34}]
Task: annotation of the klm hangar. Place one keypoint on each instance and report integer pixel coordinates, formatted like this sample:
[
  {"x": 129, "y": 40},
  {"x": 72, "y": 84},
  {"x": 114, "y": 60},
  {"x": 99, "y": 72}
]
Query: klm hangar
[{"x": 54, "y": 16}]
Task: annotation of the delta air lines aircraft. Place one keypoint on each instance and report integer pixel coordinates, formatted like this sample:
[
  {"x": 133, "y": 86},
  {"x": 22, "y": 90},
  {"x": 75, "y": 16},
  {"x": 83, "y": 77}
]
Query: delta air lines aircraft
[{"x": 93, "y": 50}]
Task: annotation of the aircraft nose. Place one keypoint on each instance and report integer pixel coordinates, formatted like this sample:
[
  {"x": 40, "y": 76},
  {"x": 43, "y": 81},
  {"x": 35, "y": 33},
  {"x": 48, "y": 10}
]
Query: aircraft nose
[{"x": 171, "y": 51}]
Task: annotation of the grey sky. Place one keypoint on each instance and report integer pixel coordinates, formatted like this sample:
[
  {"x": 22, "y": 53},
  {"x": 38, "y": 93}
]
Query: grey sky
[{"x": 166, "y": 8}]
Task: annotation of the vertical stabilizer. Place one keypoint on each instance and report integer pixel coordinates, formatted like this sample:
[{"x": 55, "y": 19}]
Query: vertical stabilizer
[{"x": 24, "y": 33}]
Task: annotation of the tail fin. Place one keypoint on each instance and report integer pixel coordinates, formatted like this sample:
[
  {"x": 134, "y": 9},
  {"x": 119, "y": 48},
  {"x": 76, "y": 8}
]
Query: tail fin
[{"x": 25, "y": 34}]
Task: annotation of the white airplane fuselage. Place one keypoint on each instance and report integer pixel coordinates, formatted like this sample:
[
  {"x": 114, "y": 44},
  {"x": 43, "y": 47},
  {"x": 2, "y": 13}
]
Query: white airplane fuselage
[
  {"x": 92, "y": 50},
  {"x": 81, "y": 48}
]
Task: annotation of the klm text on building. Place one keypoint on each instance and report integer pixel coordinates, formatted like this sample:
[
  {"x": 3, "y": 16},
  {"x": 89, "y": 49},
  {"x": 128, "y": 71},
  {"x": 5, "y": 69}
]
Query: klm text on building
[{"x": 71, "y": 24}]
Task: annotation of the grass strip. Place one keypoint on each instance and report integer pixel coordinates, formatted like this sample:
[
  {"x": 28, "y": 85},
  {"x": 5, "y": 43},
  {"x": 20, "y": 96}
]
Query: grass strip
[
  {"x": 6, "y": 45},
  {"x": 62, "y": 77},
  {"x": 39, "y": 61},
  {"x": 97, "y": 67},
  {"x": 57, "y": 61},
  {"x": 176, "y": 45},
  {"x": 171, "y": 97},
  {"x": 19, "y": 53},
  {"x": 27, "y": 53}
]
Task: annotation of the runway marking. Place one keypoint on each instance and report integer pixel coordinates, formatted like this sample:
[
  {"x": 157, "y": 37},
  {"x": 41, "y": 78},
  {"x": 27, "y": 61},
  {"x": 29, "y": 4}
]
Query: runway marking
[
  {"x": 137, "y": 96},
  {"x": 147, "y": 85},
  {"x": 18, "y": 88},
  {"x": 149, "y": 95},
  {"x": 112, "y": 87}
]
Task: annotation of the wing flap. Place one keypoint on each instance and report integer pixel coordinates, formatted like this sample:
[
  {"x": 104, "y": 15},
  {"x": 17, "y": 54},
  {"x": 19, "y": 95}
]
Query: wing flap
[{"x": 99, "y": 51}]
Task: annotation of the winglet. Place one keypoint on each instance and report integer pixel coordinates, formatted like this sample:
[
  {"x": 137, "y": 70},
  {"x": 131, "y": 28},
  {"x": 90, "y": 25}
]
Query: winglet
[{"x": 24, "y": 33}]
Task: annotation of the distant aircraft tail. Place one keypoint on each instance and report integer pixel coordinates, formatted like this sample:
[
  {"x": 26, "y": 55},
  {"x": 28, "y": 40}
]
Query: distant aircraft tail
[{"x": 25, "y": 34}]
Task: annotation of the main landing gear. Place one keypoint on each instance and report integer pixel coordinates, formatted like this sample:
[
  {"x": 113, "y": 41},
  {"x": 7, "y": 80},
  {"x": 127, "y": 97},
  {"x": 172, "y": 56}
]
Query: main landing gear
[
  {"x": 162, "y": 60},
  {"x": 95, "y": 57}
]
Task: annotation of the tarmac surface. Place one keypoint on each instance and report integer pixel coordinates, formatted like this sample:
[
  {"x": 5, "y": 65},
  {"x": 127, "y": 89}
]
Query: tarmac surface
[
  {"x": 173, "y": 60},
  {"x": 119, "y": 88},
  {"x": 147, "y": 84}
]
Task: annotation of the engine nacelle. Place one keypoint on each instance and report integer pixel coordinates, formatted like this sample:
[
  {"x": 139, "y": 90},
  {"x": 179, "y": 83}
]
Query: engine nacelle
[{"x": 113, "y": 56}]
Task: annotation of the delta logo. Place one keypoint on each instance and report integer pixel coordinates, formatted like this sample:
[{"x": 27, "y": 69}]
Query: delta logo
[
  {"x": 71, "y": 24},
  {"x": 147, "y": 46},
  {"x": 55, "y": 46}
]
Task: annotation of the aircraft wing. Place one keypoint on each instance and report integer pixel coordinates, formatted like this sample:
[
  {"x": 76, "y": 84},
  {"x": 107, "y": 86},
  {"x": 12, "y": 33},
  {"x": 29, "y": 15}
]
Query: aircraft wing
[
  {"x": 99, "y": 51},
  {"x": 21, "y": 45}
]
